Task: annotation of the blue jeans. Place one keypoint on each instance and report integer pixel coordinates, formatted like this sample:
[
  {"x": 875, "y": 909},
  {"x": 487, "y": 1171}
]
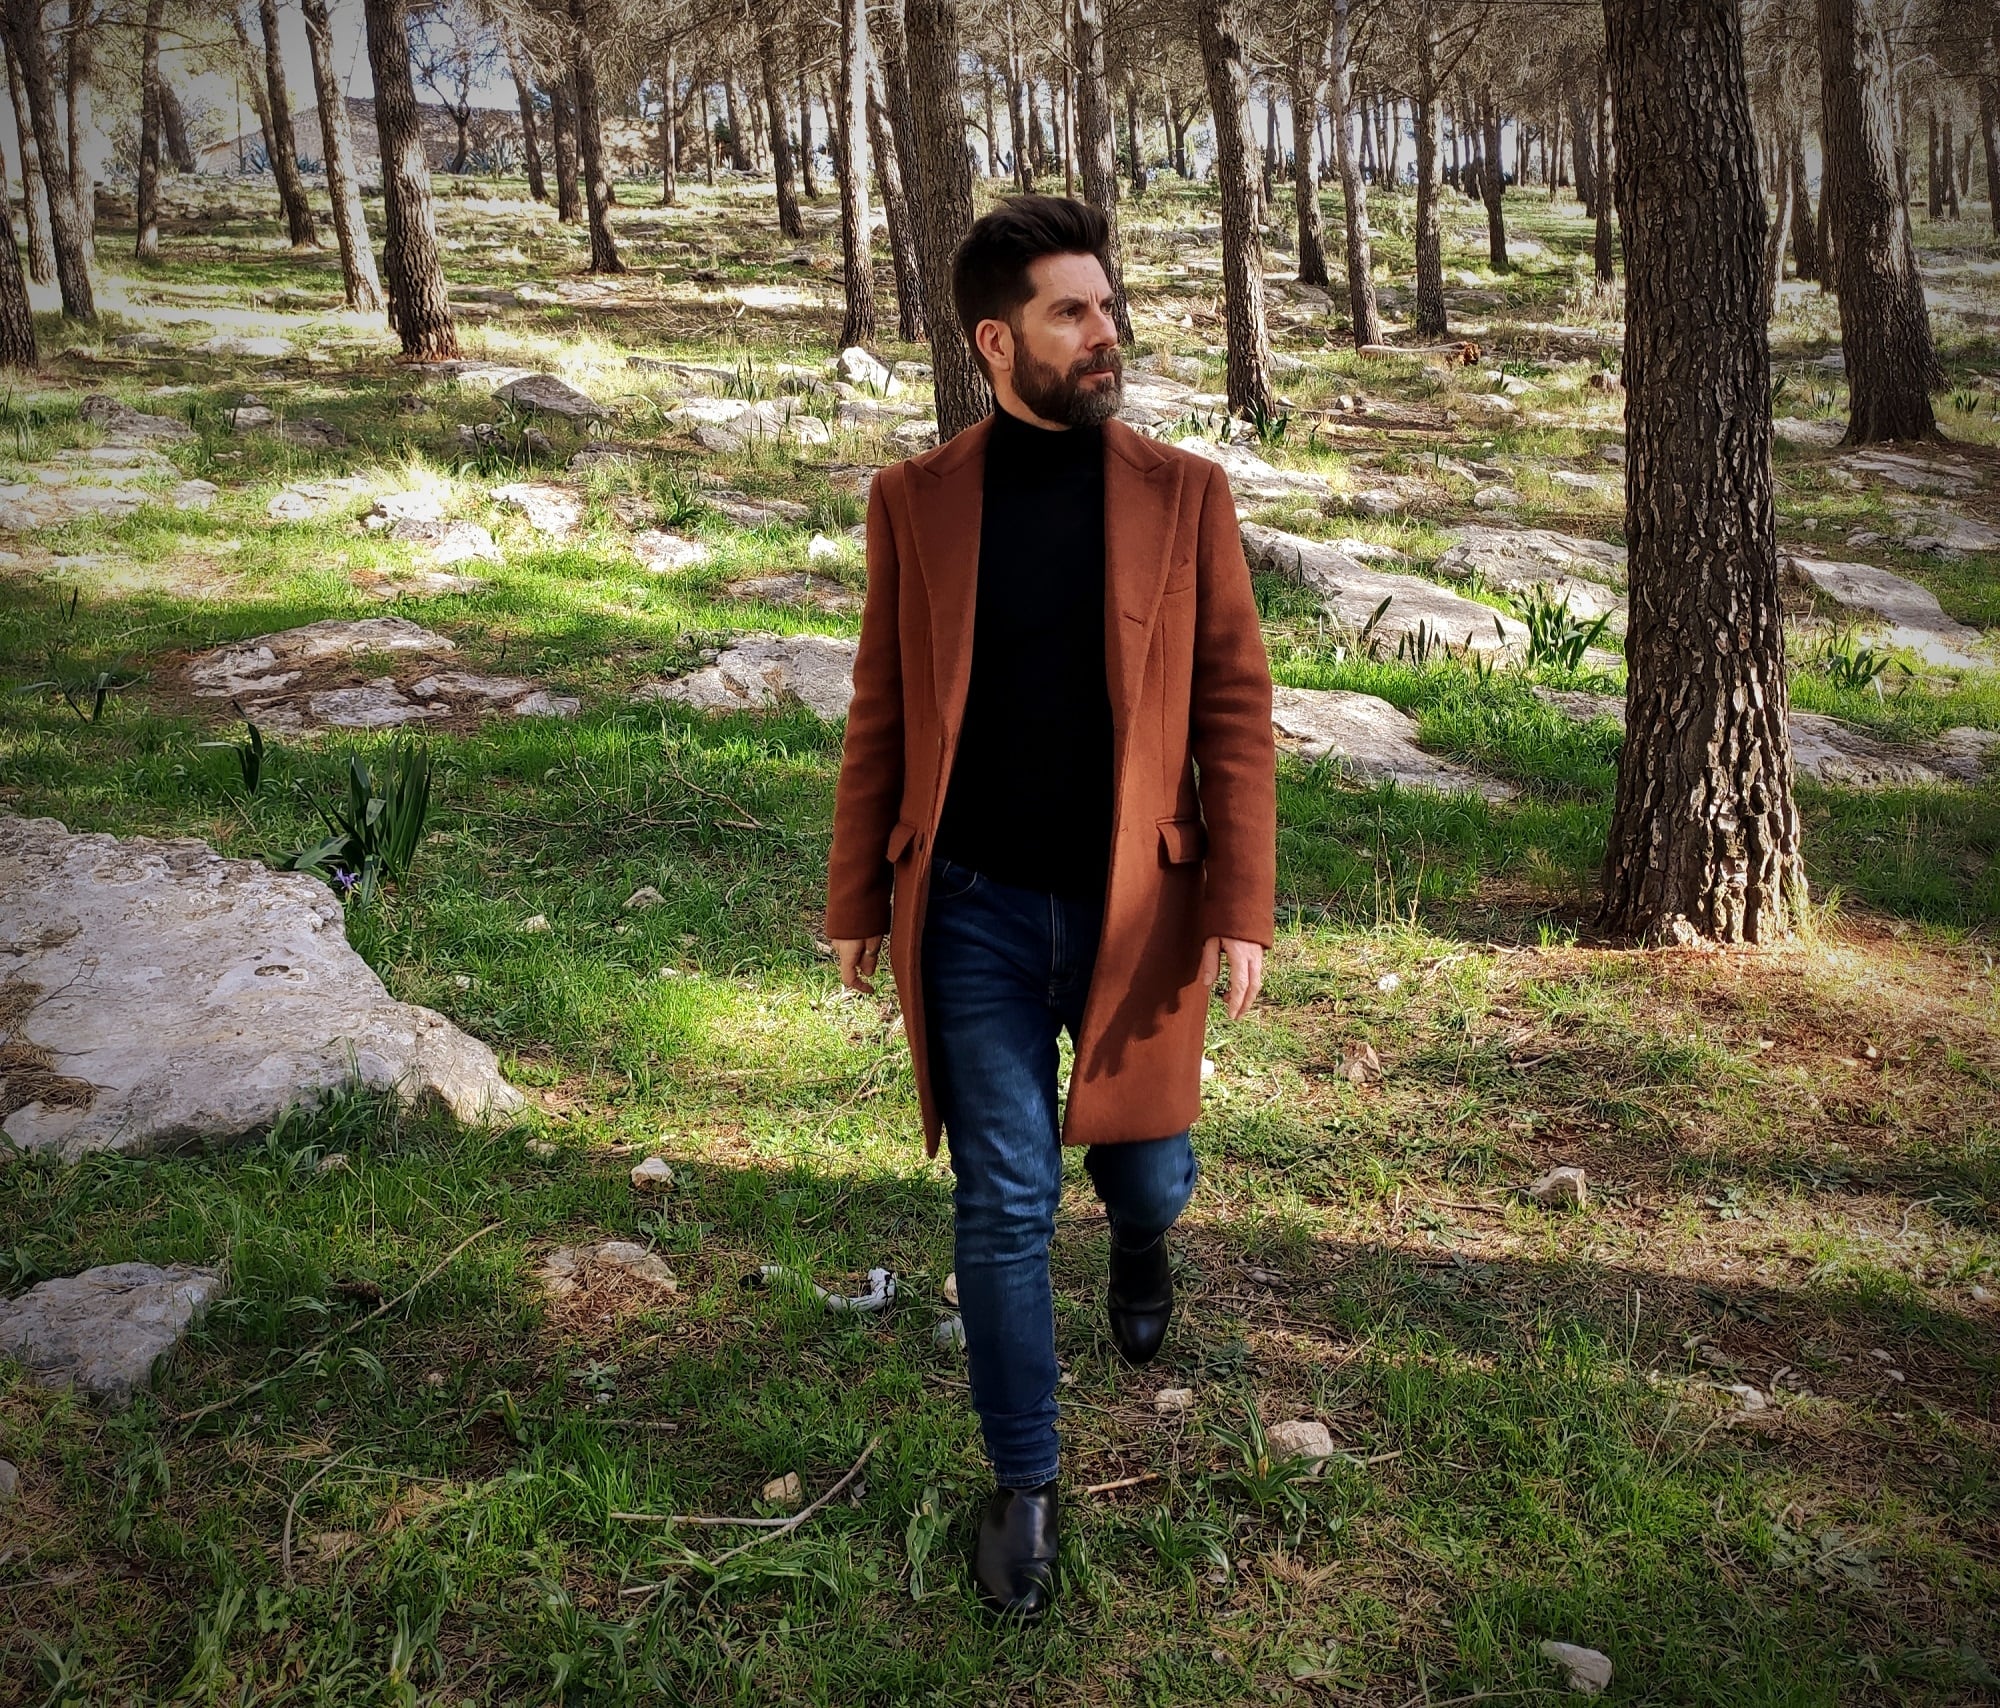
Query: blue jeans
[{"x": 1004, "y": 970}]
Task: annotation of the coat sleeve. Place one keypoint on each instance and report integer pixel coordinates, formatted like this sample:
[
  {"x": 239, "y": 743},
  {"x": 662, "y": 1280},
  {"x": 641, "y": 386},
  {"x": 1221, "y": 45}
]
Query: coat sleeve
[
  {"x": 871, "y": 762},
  {"x": 1235, "y": 752}
]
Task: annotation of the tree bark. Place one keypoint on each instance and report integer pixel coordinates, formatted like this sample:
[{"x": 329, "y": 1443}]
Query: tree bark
[
  {"x": 1989, "y": 134},
  {"x": 1805, "y": 243},
  {"x": 1704, "y": 840},
  {"x": 562, "y": 141},
  {"x": 1133, "y": 144},
  {"x": 1774, "y": 242},
  {"x": 79, "y": 95},
  {"x": 1367, "y": 322},
  {"x": 173, "y": 129},
  {"x": 808, "y": 185},
  {"x": 1432, "y": 320},
  {"x": 739, "y": 158},
  {"x": 25, "y": 32},
  {"x": 146, "y": 209},
  {"x": 992, "y": 119},
  {"x": 524, "y": 95},
  {"x": 1305, "y": 182},
  {"x": 412, "y": 266},
  {"x": 1885, "y": 331},
  {"x": 590, "y": 144},
  {"x": 343, "y": 182},
  {"x": 1493, "y": 183},
  {"x": 1604, "y": 163},
  {"x": 857, "y": 263},
  {"x": 1017, "y": 97},
  {"x": 17, "y": 321},
  {"x": 284, "y": 140},
  {"x": 670, "y": 118},
  {"x": 790, "y": 222},
  {"x": 1219, "y": 32},
  {"x": 943, "y": 205},
  {"x": 896, "y": 208},
  {"x": 1947, "y": 147},
  {"x": 1097, "y": 146},
  {"x": 1933, "y": 185},
  {"x": 34, "y": 190},
  {"x": 1581, "y": 162}
]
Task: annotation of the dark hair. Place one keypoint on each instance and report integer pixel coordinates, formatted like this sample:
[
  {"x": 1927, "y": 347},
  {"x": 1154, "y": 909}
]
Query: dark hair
[{"x": 989, "y": 274}]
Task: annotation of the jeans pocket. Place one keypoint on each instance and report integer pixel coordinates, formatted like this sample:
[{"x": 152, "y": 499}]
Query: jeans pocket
[{"x": 950, "y": 880}]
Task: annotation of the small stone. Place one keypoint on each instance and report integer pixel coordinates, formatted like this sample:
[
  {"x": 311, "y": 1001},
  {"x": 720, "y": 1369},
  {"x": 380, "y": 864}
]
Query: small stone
[
  {"x": 462, "y": 981},
  {"x": 645, "y": 896},
  {"x": 1604, "y": 380},
  {"x": 951, "y": 1289},
  {"x": 434, "y": 1378},
  {"x": 1361, "y": 1065},
  {"x": 1560, "y": 1186},
  {"x": 103, "y": 1331},
  {"x": 949, "y": 1335},
  {"x": 662, "y": 552},
  {"x": 858, "y": 367},
  {"x": 10, "y": 1481},
  {"x": 1173, "y": 1402},
  {"x": 1983, "y": 1295},
  {"x": 655, "y": 1174},
  {"x": 552, "y": 396},
  {"x": 333, "y": 1162},
  {"x": 1583, "y": 1669},
  {"x": 1389, "y": 983},
  {"x": 819, "y": 548},
  {"x": 1207, "y": 1068},
  {"x": 541, "y": 1149},
  {"x": 1496, "y": 498},
  {"x": 1302, "y": 1438},
  {"x": 786, "y": 1491},
  {"x": 1749, "y": 1398},
  {"x": 535, "y": 922}
]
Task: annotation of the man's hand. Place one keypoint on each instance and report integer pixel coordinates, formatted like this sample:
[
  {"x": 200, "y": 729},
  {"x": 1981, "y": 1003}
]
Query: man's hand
[
  {"x": 1246, "y": 971},
  {"x": 857, "y": 961}
]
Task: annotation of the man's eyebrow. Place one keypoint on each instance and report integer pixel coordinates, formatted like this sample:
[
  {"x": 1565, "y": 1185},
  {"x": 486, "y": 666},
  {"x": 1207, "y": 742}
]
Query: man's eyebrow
[{"x": 1074, "y": 297}]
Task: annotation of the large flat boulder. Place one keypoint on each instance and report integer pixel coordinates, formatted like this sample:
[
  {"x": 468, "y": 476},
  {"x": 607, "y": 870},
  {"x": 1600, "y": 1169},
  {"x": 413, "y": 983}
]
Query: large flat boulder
[
  {"x": 153, "y": 993},
  {"x": 1585, "y": 575},
  {"x": 1252, "y": 478},
  {"x": 816, "y": 671},
  {"x": 1370, "y": 739},
  {"x": 1951, "y": 476},
  {"x": 103, "y": 1331},
  {"x": 1911, "y": 614},
  {"x": 1352, "y": 592}
]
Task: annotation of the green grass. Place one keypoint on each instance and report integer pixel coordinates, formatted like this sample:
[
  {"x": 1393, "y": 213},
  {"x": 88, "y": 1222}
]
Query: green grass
[{"x": 1533, "y": 1444}]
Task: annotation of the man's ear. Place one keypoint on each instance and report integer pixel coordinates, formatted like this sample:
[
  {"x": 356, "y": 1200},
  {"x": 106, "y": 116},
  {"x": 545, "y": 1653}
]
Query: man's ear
[{"x": 995, "y": 341}]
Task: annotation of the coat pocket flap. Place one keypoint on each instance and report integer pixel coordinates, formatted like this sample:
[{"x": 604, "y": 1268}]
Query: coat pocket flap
[
  {"x": 899, "y": 839},
  {"x": 1182, "y": 839}
]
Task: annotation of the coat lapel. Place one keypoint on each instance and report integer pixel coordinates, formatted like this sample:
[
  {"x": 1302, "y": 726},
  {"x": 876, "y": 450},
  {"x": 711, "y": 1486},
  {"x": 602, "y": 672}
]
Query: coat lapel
[
  {"x": 1141, "y": 509},
  {"x": 945, "y": 502}
]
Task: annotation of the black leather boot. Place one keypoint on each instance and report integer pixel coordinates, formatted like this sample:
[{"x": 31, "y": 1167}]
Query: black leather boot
[
  {"x": 1014, "y": 1563},
  {"x": 1140, "y": 1299}
]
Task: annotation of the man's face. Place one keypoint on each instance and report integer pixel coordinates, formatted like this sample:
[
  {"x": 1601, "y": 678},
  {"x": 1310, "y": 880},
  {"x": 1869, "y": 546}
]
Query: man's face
[{"x": 1060, "y": 354}]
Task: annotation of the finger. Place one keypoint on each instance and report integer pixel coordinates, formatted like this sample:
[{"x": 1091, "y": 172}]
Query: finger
[{"x": 1211, "y": 960}]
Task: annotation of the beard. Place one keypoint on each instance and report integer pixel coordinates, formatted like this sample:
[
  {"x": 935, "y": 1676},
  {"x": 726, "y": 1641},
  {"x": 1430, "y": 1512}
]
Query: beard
[{"x": 1056, "y": 395}]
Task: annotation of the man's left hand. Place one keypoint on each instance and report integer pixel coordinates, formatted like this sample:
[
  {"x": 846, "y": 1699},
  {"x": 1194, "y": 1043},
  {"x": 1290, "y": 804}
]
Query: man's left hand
[{"x": 1246, "y": 971}]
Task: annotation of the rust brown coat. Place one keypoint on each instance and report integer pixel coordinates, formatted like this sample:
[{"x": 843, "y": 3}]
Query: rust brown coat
[{"x": 1191, "y": 857}]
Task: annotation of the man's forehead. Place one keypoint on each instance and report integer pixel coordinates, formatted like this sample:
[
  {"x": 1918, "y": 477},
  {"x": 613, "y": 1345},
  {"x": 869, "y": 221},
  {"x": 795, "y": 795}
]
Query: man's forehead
[{"x": 1056, "y": 277}]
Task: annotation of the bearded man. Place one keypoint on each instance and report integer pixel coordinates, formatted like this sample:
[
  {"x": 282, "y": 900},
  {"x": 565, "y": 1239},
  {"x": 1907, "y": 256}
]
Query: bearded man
[{"x": 1059, "y": 768}]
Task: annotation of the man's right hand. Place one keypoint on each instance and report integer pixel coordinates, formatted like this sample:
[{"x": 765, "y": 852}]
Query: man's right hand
[{"x": 857, "y": 961}]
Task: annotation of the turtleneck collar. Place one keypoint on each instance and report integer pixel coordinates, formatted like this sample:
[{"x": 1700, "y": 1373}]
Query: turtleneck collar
[{"x": 1023, "y": 445}]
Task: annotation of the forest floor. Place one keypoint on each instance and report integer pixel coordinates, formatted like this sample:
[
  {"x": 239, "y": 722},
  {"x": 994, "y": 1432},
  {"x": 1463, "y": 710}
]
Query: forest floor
[{"x": 1732, "y": 1423}]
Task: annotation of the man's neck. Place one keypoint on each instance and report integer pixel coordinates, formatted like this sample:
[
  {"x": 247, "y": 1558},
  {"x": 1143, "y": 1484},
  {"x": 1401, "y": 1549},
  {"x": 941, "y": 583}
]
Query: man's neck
[{"x": 1010, "y": 402}]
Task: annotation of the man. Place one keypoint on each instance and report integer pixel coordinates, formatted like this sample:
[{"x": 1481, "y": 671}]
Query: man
[{"x": 1059, "y": 762}]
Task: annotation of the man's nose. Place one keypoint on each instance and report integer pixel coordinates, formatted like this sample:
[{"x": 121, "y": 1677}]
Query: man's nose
[{"x": 1103, "y": 329}]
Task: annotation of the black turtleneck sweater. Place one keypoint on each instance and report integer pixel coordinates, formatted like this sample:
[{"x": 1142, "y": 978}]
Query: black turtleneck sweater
[{"x": 1029, "y": 801}]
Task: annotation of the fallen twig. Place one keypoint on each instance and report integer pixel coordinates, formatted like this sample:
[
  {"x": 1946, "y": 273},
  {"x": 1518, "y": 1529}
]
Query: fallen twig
[
  {"x": 781, "y": 1528},
  {"x": 325, "y": 1341},
  {"x": 1123, "y": 1483}
]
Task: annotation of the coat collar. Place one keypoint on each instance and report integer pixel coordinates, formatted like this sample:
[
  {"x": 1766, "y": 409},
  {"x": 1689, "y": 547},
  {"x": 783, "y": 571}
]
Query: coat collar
[{"x": 1142, "y": 485}]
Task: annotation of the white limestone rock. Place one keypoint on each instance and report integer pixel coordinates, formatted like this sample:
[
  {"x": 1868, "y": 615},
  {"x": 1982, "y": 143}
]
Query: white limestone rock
[
  {"x": 1352, "y": 591},
  {"x": 858, "y": 367},
  {"x": 1564, "y": 1185},
  {"x": 1302, "y": 1438},
  {"x": 663, "y": 553},
  {"x": 1251, "y": 477},
  {"x": 1913, "y": 617},
  {"x": 171, "y": 995},
  {"x": 1584, "y": 1670},
  {"x": 102, "y": 1332},
  {"x": 1950, "y": 476},
  {"x": 816, "y": 591},
  {"x": 1818, "y": 435},
  {"x": 814, "y": 670},
  {"x": 1371, "y": 739},
  {"x": 1516, "y": 559},
  {"x": 556, "y": 511},
  {"x": 271, "y": 662},
  {"x": 124, "y": 425}
]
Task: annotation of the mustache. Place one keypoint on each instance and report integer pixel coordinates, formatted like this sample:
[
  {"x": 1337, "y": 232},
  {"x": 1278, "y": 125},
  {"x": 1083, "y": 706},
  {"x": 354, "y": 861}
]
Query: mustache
[{"x": 1104, "y": 362}]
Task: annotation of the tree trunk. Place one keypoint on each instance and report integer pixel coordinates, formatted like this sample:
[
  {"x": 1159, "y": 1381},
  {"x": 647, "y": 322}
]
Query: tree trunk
[
  {"x": 1805, "y": 245},
  {"x": 17, "y": 321},
  {"x": 891, "y": 57},
  {"x": 79, "y": 96},
  {"x": 707, "y": 130},
  {"x": 1133, "y": 143},
  {"x": 808, "y": 184},
  {"x": 284, "y": 141},
  {"x": 1305, "y": 183},
  {"x": 1704, "y": 840},
  {"x": 1068, "y": 134},
  {"x": 1431, "y": 318},
  {"x": 1774, "y": 242},
  {"x": 1224, "y": 68},
  {"x": 562, "y": 137},
  {"x": 1097, "y": 146},
  {"x": 896, "y": 207},
  {"x": 1947, "y": 147},
  {"x": 1367, "y": 323},
  {"x": 25, "y": 31},
  {"x": 1989, "y": 134},
  {"x": 146, "y": 209},
  {"x": 1885, "y": 330},
  {"x": 412, "y": 267},
  {"x": 739, "y": 158},
  {"x": 173, "y": 129},
  {"x": 857, "y": 263},
  {"x": 1933, "y": 185},
  {"x": 1581, "y": 162},
  {"x": 597, "y": 194},
  {"x": 343, "y": 184},
  {"x": 524, "y": 95},
  {"x": 1604, "y": 163},
  {"x": 790, "y": 222},
  {"x": 1493, "y": 184},
  {"x": 943, "y": 206},
  {"x": 670, "y": 119},
  {"x": 992, "y": 120},
  {"x": 1017, "y": 103},
  {"x": 34, "y": 189}
]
